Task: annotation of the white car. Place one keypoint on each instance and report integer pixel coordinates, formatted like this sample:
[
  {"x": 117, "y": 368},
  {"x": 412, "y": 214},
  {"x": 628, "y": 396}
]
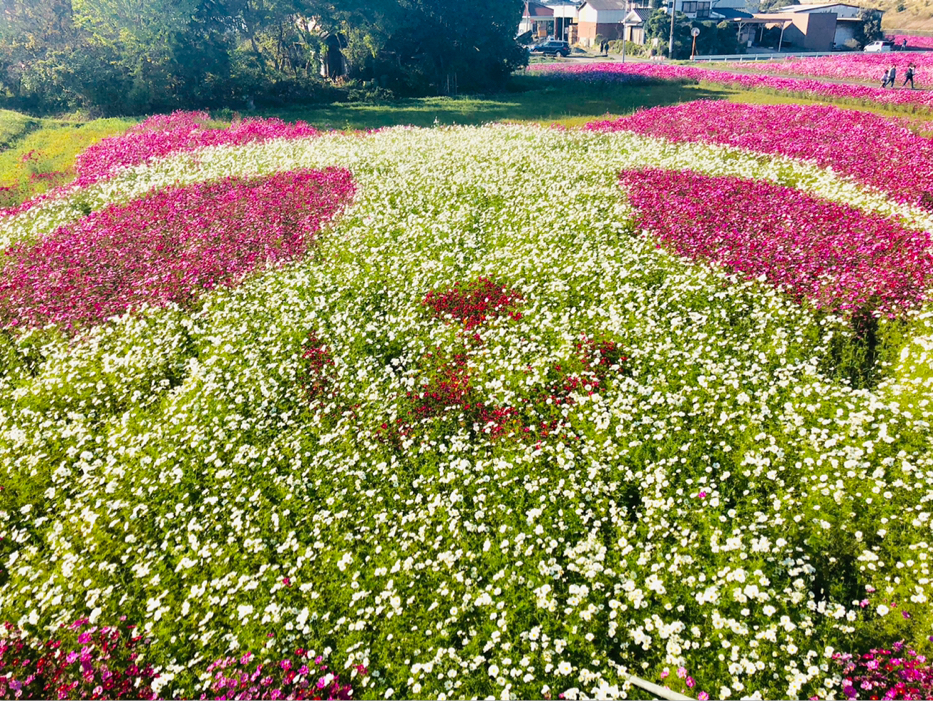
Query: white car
[{"x": 879, "y": 47}]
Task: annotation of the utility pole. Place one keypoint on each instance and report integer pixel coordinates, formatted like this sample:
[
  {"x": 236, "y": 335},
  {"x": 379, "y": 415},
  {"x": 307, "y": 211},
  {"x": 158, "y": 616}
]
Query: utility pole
[{"x": 670, "y": 44}]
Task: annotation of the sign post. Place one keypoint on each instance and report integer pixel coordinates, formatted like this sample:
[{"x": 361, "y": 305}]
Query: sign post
[{"x": 695, "y": 32}]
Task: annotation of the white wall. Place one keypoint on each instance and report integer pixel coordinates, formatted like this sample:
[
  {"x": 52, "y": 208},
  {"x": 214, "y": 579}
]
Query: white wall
[
  {"x": 588, "y": 14},
  {"x": 569, "y": 11}
]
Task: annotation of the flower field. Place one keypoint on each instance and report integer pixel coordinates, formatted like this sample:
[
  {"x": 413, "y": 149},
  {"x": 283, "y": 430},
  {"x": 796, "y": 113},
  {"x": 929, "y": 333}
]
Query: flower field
[
  {"x": 915, "y": 42},
  {"x": 856, "y": 67},
  {"x": 883, "y": 154},
  {"x": 911, "y": 100},
  {"x": 503, "y": 411}
]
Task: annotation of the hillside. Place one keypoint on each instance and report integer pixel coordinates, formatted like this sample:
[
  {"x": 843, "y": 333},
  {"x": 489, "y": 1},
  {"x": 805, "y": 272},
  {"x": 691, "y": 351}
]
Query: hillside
[{"x": 912, "y": 15}]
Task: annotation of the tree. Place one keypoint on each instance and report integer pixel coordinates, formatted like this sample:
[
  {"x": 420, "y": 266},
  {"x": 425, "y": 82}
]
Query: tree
[
  {"x": 659, "y": 26},
  {"x": 435, "y": 46},
  {"x": 717, "y": 39},
  {"x": 135, "y": 56},
  {"x": 869, "y": 28}
]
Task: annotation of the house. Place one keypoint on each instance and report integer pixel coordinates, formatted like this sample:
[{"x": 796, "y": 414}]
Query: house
[
  {"x": 809, "y": 32},
  {"x": 694, "y": 9},
  {"x": 715, "y": 10},
  {"x": 601, "y": 18},
  {"x": 847, "y": 18},
  {"x": 537, "y": 19},
  {"x": 634, "y": 24},
  {"x": 565, "y": 19},
  {"x": 729, "y": 14}
]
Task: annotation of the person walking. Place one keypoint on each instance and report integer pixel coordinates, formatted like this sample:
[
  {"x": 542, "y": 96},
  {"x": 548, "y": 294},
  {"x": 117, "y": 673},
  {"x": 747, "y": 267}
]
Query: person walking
[
  {"x": 909, "y": 76},
  {"x": 604, "y": 47},
  {"x": 890, "y": 78}
]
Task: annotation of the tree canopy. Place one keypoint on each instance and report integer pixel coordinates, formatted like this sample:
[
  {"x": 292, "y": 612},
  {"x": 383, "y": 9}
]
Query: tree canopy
[{"x": 133, "y": 56}]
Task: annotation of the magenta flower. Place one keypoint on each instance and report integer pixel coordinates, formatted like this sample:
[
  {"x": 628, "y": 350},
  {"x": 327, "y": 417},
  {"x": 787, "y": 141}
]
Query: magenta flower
[
  {"x": 167, "y": 247},
  {"x": 828, "y": 136},
  {"x": 860, "y": 67},
  {"x": 809, "y": 88},
  {"x": 833, "y": 255},
  {"x": 163, "y": 135}
]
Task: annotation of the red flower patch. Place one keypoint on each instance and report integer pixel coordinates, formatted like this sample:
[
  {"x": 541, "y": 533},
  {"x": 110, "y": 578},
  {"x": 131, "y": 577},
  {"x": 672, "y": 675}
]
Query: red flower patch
[
  {"x": 450, "y": 393},
  {"x": 474, "y": 302},
  {"x": 315, "y": 378}
]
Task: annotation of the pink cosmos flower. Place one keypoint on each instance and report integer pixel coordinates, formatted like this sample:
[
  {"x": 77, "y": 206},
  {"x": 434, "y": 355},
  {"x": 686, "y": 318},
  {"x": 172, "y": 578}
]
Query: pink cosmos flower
[
  {"x": 167, "y": 247},
  {"x": 833, "y": 255}
]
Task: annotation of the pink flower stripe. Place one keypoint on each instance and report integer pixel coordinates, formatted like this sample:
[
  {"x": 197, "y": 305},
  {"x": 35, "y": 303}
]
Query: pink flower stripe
[
  {"x": 816, "y": 89},
  {"x": 835, "y": 256},
  {"x": 855, "y": 67},
  {"x": 167, "y": 247},
  {"x": 160, "y": 136},
  {"x": 913, "y": 42},
  {"x": 872, "y": 150}
]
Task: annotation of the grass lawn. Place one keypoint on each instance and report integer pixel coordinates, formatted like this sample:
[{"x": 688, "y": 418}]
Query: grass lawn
[
  {"x": 39, "y": 154},
  {"x": 534, "y": 99}
]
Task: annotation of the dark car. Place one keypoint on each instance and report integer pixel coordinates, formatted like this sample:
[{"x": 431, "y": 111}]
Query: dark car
[{"x": 552, "y": 48}]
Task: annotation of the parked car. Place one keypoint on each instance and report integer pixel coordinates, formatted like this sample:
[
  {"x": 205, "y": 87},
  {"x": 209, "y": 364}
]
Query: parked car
[
  {"x": 879, "y": 47},
  {"x": 552, "y": 48}
]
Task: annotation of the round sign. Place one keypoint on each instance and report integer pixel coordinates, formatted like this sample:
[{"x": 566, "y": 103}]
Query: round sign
[{"x": 695, "y": 32}]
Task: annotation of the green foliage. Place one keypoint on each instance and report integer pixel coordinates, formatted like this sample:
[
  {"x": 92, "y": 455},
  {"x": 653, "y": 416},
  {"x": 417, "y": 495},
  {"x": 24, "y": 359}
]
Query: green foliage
[
  {"x": 135, "y": 56},
  {"x": 717, "y": 39},
  {"x": 424, "y": 47},
  {"x": 869, "y": 29},
  {"x": 721, "y": 38},
  {"x": 14, "y": 125},
  {"x": 659, "y": 26},
  {"x": 631, "y": 48}
]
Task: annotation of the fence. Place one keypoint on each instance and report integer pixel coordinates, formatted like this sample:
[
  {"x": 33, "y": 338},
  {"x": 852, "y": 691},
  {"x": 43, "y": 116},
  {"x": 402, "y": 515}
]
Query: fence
[
  {"x": 765, "y": 57},
  {"x": 658, "y": 691}
]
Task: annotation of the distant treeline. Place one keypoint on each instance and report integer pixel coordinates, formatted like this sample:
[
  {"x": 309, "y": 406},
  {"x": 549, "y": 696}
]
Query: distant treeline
[{"x": 134, "y": 56}]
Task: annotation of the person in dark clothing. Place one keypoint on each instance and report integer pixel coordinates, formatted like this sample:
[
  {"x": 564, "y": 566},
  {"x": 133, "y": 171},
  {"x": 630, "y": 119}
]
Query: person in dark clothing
[
  {"x": 909, "y": 76},
  {"x": 604, "y": 47},
  {"x": 890, "y": 77}
]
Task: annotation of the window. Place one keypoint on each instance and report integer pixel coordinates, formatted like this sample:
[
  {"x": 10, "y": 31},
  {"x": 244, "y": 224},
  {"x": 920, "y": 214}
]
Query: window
[{"x": 694, "y": 7}]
